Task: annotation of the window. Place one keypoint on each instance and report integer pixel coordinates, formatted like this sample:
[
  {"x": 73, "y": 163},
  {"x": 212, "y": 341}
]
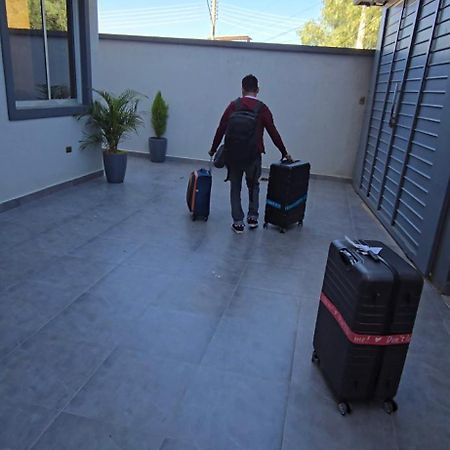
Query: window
[{"x": 45, "y": 57}]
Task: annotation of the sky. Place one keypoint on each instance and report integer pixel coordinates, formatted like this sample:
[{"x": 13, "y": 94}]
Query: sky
[{"x": 274, "y": 21}]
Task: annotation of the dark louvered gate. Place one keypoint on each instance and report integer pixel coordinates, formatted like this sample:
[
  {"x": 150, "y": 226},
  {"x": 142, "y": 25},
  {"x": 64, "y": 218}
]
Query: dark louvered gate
[{"x": 405, "y": 170}]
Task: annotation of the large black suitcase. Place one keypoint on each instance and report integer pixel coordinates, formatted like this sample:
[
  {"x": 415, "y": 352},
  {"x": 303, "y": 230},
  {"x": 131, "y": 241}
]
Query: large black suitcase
[
  {"x": 198, "y": 195},
  {"x": 366, "y": 315},
  {"x": 286, "y": 194}
]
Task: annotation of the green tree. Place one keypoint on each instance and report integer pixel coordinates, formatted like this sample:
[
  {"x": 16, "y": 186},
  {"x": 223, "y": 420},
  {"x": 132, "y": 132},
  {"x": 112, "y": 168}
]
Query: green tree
[
  {"x": 342, "y": 24},
  {"x": 55, "y": 14}
]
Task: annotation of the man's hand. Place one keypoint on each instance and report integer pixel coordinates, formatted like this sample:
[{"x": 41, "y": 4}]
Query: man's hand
[{"x": 288, "y": 158}]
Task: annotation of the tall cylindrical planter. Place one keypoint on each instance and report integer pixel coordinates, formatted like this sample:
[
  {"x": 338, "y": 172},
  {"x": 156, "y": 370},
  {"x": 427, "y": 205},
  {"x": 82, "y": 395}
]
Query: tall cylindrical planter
[
  {"x": 158, "y": 149},
  {"x": 115, "y": 166}
]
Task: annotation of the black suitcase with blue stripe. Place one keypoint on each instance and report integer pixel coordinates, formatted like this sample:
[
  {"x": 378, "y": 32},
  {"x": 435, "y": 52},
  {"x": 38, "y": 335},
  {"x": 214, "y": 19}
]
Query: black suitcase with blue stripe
[
  {"x": 286, "y": 194},
  {"x": 198, "y": 195}
]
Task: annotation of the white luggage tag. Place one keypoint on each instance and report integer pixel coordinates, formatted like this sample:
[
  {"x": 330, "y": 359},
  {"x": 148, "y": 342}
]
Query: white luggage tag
[{"x": 364, "y": 249}]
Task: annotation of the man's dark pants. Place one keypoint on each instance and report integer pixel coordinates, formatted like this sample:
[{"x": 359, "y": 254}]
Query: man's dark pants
[{"x": 252, "y": 174}]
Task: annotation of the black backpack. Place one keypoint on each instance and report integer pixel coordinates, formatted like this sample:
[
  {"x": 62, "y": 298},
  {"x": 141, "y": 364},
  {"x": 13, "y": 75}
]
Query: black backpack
[{"x": 240, "y": 137}]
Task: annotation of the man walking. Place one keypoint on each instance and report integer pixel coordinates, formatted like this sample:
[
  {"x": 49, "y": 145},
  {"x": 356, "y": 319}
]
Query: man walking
[{"x": 243, "y": 124}]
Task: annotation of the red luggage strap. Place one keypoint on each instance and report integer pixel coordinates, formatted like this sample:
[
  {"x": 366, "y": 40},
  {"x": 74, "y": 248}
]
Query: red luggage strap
[{"x": 363, "y": 339}]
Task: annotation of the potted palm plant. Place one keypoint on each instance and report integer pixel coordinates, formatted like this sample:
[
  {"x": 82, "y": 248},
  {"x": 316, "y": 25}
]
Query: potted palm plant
[
  {"x": 158, "y": 143},
  {"x": 109, "y": 120}
]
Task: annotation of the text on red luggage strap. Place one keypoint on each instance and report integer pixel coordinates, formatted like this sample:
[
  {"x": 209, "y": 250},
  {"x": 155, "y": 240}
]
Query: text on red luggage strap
[{"x": 362, "y": 339}]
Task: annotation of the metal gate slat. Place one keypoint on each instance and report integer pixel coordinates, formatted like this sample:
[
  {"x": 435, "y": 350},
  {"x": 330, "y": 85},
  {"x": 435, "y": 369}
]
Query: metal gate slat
[
  {"x": 427, "y": 133},
  {"x": 386, "y": 96},
  {"x": 412, "y": 210},
  {"x": 393, "y": 168},
  {"x": 406, "y": 191},
  {"x": 431, "y": 105},
  {"x": 431, "y": 91},
  {"x": 429, "y": 119},
  {"x": 422, "y": 145},
  {"x": 410, "y": 224},
  {"x": 422, "y": 160},
  {"x": 406, "y": 234},
  {"x": 417, "y": 185},
  {"x": 440, "y": 63},
  {"x": 419, "y": 98},
  {"x": 391, "y": 192},
  {"x": 405, "y": 127},
  {"x": 424, "y": 175}
]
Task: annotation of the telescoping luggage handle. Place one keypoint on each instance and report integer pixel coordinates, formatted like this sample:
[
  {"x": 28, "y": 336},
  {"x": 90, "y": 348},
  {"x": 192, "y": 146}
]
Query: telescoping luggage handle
[{"x": 283, "y": 160}]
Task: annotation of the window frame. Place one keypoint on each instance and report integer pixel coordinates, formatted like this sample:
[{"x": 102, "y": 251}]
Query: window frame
[{"x": 83, "y": 85}]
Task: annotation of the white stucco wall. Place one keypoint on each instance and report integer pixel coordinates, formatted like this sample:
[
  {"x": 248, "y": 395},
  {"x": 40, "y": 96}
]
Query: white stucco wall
[
  {"x": 314, "y": 96},
  {"x": 32, "y": 152}
]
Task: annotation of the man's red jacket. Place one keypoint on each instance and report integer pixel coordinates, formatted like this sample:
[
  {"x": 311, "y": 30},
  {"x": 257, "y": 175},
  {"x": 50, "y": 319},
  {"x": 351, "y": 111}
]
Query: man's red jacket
[{"x": 265, "y": 121}]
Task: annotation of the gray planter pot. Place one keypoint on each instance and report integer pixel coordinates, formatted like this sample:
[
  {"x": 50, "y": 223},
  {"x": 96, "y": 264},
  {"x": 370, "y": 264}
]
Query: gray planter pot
[
  {"x": 158, "y": 149},
  {"x": 115, "y": 166}
]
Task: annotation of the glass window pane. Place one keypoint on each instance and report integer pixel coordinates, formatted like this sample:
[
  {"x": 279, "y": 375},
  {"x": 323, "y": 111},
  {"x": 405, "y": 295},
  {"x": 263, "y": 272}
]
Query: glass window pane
[
  {"x": 60, "y": 49},
  {"x": 27, "y": 49}
]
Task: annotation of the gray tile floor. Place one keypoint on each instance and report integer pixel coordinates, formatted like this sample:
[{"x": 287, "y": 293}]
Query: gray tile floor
[{"x": 125, "y": 325}]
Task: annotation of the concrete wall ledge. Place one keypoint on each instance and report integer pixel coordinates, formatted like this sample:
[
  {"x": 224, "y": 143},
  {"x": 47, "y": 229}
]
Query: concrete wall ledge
[{"x": 239, "y": 45}]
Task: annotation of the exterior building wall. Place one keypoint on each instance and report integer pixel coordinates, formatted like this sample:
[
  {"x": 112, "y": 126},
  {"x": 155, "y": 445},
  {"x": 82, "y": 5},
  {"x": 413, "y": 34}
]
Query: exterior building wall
[
  {"x": 314, "y": 93},
  {"x": 32, "y": 152}
]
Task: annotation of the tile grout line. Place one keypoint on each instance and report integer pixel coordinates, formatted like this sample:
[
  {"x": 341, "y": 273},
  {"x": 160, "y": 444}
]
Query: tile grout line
[
  {"x": 61, "y": 410},
  {"x": 352, "y": 217},
  {"x": 58, "y": 313},
  {"x": 51, "y": 227},
  {"x": 199, "y": 364},
  {"x": 289, "y": 390},
  {"x": 58, "y": 255},
  {"x": 232, "y": 295},
  {"x": 394, "y": 432},
  {"x": 4, "y": 357}
]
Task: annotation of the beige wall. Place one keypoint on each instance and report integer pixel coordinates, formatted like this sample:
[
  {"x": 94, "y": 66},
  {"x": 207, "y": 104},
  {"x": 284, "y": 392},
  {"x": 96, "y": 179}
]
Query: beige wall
[{"x": 314, "y": 95}]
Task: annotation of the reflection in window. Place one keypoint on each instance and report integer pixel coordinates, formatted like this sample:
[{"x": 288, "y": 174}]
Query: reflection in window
[{"x": 41, "y": 49}]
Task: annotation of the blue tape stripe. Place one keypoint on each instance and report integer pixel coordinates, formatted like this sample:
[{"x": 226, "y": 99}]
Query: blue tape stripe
[
  {"x": 273, "y": 204},
  {"x": 288, "y": 207},
  {"x": 296, "y": 203}
]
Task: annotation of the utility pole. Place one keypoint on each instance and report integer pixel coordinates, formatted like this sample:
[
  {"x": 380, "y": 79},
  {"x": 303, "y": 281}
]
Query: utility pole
[
  {"x": 214, "y": 16},
  {"x": 362, "y": 28}
]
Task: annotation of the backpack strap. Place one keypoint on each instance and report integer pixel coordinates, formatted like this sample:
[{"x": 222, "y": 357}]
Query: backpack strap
[{"x": 259, "y": 106}]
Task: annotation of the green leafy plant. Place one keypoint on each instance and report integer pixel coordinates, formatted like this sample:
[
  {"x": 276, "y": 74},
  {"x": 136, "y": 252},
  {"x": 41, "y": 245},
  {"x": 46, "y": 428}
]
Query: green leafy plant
[
  {"x": 342, "y": 24},
  {"x": 55, "y": 15},
  {"x": 160, "y": 113},
  {"x": 111, "y": 118}
]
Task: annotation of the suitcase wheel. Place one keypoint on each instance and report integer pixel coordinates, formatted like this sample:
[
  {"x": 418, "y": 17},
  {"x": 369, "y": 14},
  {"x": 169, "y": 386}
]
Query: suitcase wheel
[
  {"x": 265, "y": 225},
  {"x": 344, "y": 408},
  {"x": 282, "y": 230},
  {"x": 390, "y": 406},
  {"x": 315, "y": 358},
  {"x": 205, "y": 219},
  {"x": 300, "y": 224}
]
